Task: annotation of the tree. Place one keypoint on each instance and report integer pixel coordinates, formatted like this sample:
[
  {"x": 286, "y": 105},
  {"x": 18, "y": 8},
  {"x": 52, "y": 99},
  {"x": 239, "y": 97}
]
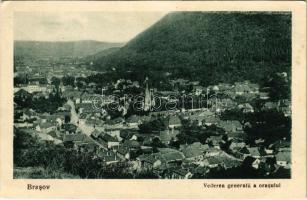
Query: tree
[
  {"x": 68, "y": 80},
  {"x": 55, "y": 81},
  {"x": 279, "y": 86},
  {"x": 155, "y": 125},
  {"x": 270, "y": 125}
]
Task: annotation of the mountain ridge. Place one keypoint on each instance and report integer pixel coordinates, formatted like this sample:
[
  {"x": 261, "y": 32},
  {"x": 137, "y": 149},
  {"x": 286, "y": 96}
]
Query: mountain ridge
[
  {"x": 208, "y": 46},
  {"x": 81, "y": 48}
]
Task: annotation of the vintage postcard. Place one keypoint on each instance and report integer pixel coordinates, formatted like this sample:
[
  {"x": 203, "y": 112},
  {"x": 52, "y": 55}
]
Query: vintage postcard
[{"x": 153, "y": 99}]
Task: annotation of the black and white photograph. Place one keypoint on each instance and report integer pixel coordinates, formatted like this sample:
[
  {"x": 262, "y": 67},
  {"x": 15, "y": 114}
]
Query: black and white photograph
[{"x": 152, "y": 95}]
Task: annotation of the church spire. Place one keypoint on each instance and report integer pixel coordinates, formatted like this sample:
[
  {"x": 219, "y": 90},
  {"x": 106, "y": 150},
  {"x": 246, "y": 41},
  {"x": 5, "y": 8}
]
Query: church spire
[{"x": 147, "y": 102}]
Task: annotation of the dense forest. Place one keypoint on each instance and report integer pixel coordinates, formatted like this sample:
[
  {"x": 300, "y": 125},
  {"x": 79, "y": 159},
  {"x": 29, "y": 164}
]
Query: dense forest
[{"x": 207, "y": 46}]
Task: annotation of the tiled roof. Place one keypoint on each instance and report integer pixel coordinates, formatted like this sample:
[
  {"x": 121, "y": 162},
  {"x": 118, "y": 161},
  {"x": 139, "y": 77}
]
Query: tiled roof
[
  {"x": 181, "y": 172},
  {"x": 173, "y": 156},
  {"x": 46, "y": 125},
  {"x": 254, "y": 151},
  {"x": 132, "y": 144},
  {"x": 174, "y": 120},
  {"x": 133, "y": 119},
  {"x": 74, "y": 137},
  {"x": 109, "y": 138},
  {"x": 283, "y": 156}
]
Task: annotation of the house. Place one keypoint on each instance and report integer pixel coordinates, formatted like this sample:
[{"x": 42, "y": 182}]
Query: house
[
  {"x": 31, "y": 88},
  {"x": 241, "y": 153},
  {"x": 210, "y": 120},
  {"x": 107, "y": 156},
  {"x": 212, "y": 152},
  {"x": 123, "y": 152},
  {"x": 95, "y": 134},
  {"x": 213, "y": 162},
  {"x": 241, "y": 88},
  {"x": 86, "y": 98},
  {"x": 146, "y": 149},
  {"x": 28, "y": 114},
  {"x": 170, "y": 157},
  {"x": 231, "y": 126},
  {"x": 132, "y": 144},
  {"x": 281, "y": 145},
  {"x": 127, "y": 134},
  {"x": 174, "y": 122},
  {"x": 194, "y": 152},
  {"x": 22, "y": 94},
  {"x": 254, "y": 152},
  {"x": 73, "y": 140},
  {"x": 285, "y": 107},
  {"x": 114, "y": 132},
  {"x": 206, "y": 113},
  {"x": 167, "y": 135},
  {"x": 69, "y": 128},
  {"x": 87, "y": 108},
  {"x": 246, "y": 88},
  {"x": 119, "y": 121},
  {"x": 149, "y": 162},
  {"x": 55, "y": 134},
  {"x": 284, "y": 159},
  {"x": 256, "y": 163},
  {"x": 108, "y": 141},
  {"x": 263, "y": 95},
  {"x": 180, "y": 174},
  {"x": 236, "y": 145},
  {"x": 269, "y": 105},
  {"x": 228, "y": 162},
  {"x": 48, "y": 138},
  {"x": 215, "y": 141},
  {"x": 226, "y": 103},
  {"x": 197, "y": 89},
  {"x": 133, "y": 121},
  {"x": 197, "y": 119},
  {"x": 45, "y": 127},
  {"x": 246, "y": 108},
  {"x": 199, "y": 171}
]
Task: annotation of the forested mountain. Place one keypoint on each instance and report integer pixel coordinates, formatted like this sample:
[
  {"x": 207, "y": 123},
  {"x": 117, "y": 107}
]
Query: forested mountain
[
  {"x": 208, "y": 46},
  {"x": 61, "y": 49},
  {"x": 101, "y": 54}
]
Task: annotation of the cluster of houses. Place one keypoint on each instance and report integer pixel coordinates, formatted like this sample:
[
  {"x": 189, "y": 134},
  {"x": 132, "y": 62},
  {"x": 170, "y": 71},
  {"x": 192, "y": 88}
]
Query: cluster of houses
[{"x": 119, "y": 139}]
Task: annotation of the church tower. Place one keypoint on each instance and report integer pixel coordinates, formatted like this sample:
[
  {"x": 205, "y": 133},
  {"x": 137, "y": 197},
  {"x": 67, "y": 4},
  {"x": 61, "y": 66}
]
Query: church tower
[{"x": 147, "y": 102}]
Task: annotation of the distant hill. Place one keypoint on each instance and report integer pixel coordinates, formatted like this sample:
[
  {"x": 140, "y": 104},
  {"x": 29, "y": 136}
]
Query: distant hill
[
  {"x": 208, "y": 46},
  {"x": 101, "y": 54},
  {"x": 59, "y": 49}
]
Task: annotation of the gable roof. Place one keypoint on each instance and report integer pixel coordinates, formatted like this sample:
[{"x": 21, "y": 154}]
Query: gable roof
[
  {"x": 133, "y": 119},
  {"x": 75, "y": 138},
  {"x": 254, "y": 151},
  {"x": 174, "y": 120},
  {"x": 46, "y": 125},
  {"x": 283, "y": 156},
  {"x": 172, "y": 156},
  {"x": 109, "y": 138},
  {"x": 181, "y": 172},
  {"x": 131, "y": 144},
  {"x": 22, "y": 92}
]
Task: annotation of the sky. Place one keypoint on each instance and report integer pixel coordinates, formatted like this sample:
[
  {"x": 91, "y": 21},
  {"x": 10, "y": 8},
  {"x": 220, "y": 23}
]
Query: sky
[{"x": 72, "y": 26}]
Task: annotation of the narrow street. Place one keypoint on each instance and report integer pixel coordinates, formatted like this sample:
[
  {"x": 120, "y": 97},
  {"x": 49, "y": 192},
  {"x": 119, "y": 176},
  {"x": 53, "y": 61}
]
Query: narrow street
[
  {"x": 75, "y": 119},
  {"x": 85, "y": 129}
]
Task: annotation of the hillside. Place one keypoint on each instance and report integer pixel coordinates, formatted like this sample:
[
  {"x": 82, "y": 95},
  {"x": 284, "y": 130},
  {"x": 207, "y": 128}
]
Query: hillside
[
  {"x": 60, "y": 49},
  {"x": 208, "y": 46},
  {"x": 101, "y": 54}
]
